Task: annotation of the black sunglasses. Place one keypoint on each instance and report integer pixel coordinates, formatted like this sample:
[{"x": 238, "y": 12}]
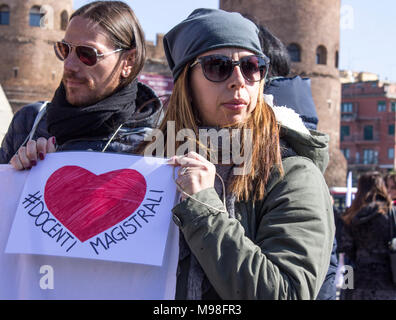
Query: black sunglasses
[
  {"x": 218, "y": 68},
  {"x": 87, "y": 55}
]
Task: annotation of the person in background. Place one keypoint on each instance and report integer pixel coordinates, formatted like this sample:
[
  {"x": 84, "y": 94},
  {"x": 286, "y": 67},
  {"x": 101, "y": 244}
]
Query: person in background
[
  {"x": 99, "y": 105},
  {"x": 294, "y": 93},
  {"x": 365, "y": 239},
  {"x": 272, "y": 235},
  {"x": 390, "y": 181}
]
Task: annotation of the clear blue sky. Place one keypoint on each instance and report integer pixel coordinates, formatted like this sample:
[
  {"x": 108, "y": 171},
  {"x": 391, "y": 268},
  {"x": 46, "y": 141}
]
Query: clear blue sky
[{"x": 368, "y": 29}]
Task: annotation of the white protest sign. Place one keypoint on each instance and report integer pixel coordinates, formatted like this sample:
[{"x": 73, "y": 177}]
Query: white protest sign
[
  {"x": 22, "y": 277},
  {"x": 96, "y": 206}
]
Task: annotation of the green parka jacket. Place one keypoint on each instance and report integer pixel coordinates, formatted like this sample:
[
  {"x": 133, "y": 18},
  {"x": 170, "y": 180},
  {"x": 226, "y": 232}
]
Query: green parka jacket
[{"x": 276, "y": 248}]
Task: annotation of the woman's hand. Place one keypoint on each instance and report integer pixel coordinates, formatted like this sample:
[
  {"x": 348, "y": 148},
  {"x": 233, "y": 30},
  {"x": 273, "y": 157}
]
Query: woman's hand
[
  {"x": 27, "y": 157},
  {"x": 196, "y": 173}
]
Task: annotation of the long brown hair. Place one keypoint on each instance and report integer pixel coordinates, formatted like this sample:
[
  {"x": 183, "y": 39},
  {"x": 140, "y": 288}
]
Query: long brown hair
[
  {"x": 122, "y": 27},
  {"x": 371, "y": 188},
  {"x": 265, "y": 151}
]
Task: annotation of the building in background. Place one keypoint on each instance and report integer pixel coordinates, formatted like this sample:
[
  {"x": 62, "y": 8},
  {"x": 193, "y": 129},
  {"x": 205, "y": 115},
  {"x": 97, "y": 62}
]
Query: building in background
[
  {"x": 29, "y": 70},
  {"x": 368, "y": 116},
  {"x": 311, "y": 32},
  {"x": 348, "y": 76}
]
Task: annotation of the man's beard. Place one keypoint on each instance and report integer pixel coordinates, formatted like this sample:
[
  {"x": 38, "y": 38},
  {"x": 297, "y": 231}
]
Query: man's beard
[
  {"x": 87, "y": 94},
  {"x": 85, "y": 100}
]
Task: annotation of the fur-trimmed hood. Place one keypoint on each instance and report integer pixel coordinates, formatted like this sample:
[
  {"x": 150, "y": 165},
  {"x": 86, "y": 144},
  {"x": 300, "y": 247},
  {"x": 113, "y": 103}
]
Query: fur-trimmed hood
[{"x": 296, "y": 139}]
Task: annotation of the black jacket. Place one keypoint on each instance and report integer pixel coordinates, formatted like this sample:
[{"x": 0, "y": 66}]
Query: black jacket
[
  {"x": 125, "y": 141},
  {"x": 365, "y": 242}
]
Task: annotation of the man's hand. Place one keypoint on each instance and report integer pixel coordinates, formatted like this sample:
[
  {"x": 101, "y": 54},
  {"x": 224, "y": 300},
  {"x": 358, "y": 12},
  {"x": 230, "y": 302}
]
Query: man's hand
[{"x": 27, "y": 157}]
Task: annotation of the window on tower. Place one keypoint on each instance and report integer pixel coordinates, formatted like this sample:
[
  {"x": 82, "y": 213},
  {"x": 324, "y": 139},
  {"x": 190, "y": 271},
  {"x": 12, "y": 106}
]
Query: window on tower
[
  {"x": 64, "y": 20},
  {"x": 4, "y": 15},
  {"x": 294, "y": 52},
  {"x": 35, "y": 16},
  {"x": 321, "y": 55},
  {"x": 15, "y": 69}
]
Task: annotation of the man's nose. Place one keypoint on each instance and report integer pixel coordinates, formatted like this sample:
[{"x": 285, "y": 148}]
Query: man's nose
[{"x": 72, "y": 62}]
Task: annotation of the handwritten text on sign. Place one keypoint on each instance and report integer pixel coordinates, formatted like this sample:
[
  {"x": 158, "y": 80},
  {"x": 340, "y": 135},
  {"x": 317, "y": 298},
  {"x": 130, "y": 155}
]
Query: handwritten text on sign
[{"x": 112, "y": 210}]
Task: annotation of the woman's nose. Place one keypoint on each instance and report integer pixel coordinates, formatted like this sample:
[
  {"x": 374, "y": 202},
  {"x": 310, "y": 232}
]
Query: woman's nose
[{"x": 236, "y": 79}]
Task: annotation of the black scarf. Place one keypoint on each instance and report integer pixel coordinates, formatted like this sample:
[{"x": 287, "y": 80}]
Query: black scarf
[{"x": 67, "y": 122}]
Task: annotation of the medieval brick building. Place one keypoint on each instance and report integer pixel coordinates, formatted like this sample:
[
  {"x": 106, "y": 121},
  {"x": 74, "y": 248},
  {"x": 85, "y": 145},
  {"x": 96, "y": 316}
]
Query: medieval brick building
[{"x": 29, "y": 70}]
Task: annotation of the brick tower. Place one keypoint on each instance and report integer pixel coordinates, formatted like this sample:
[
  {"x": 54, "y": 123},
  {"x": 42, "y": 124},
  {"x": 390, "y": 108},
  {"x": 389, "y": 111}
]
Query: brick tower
[
  {"x": 311, "y": 31},
  {"x": 29, "y": 70}
]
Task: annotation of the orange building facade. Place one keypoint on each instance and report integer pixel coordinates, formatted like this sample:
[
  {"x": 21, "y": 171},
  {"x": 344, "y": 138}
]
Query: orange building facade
[{"x": 368, "y": 116}]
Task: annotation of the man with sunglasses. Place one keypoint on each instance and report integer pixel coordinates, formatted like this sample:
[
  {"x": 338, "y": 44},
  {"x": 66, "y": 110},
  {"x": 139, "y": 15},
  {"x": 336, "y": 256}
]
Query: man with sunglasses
[{"x": 99, "y": 105}]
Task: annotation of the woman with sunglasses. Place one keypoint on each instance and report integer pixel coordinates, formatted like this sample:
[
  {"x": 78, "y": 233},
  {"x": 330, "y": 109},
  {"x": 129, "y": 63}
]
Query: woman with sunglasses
[
  {"x": 99, "y": 105},
  {"x": 266, "y": 233}
]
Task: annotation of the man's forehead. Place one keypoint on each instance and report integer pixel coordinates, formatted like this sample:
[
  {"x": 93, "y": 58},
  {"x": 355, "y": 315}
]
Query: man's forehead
[{"x": 82, "y": 31}]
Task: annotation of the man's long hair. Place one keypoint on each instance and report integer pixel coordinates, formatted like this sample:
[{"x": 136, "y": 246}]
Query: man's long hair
[
  {"x": 371, "y": 188},
  {"x": 265, "y": 150}
]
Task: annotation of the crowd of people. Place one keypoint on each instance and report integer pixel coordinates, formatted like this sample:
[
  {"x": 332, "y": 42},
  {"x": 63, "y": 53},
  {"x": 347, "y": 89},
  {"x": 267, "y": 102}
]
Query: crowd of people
[{"x": 268, "y": 233}]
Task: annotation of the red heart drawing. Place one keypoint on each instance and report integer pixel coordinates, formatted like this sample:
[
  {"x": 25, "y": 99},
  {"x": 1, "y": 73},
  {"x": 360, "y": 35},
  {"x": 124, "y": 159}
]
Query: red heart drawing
[{"x": 87, "y": 204}]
